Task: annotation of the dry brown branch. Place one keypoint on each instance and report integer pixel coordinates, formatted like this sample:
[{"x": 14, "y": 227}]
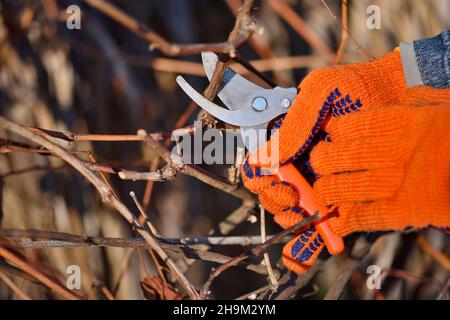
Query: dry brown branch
[
  {"x": 101, "y": 286},
  {"x": 146, "y": 220},
  {"x": 155, "y": 163},
  {"x": 224, "y": 228},
  {"x": 61, "y": 239},
  {"x": 182, "y": 120},
  {"x": 177, "y": 165},
  {"x": 255, "y": 252},
  {"x": 166, "y": 173},
  {"x": 123, "y": 269},
  {"x": 19, "y": 292},
  {"x": 243, "y": 18},
  {"x": 184, "y": 246},
  {"x": 261, "y": 46},
  {"x": 262, "y": 217},
  {"x": 344, "y": 33},
  {"x": 245, "y": 28},
  {"x": 74, "y": 137},
  {"x": 274, "y": 64},
  {"x": 103, "y": 176},
  {"x": 291, "y": 283},
  {"x": 26, "y": 267},
  {"x": 359, "y": 250},
  {"x": 438, "y": 256},
  {"x": 172, "y": 65},
  {"x": 104, "y": 191}
]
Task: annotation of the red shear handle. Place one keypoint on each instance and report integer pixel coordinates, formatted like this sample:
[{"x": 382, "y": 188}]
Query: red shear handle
[{"x": 290, "y": 174}]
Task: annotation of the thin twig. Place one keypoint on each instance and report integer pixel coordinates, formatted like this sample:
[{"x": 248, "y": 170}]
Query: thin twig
[
  {"x": 100, "y": 285},
  {"x": 270, "y": 63},
  {"x": 438, "y": 256},
  {"x": 291, "y": 283},
  {"x": 103, "y": 176},
  {"x": 194, "y": 171},
  {"x": 104, "y": 191},
  {"x": 358, "y": 45},
  {"x": 260, "y": 44},
  {"x": 255, "y": 252},
  {"x": 123, "y": 268},
  {"x": 154, "y": 231},
  {"x": 74, "y": 137},
  {"x": 246, "y": 28},
  {"x": 51, "y": 239},
  {"x": 225, "y": 227},
  {"x": 182, "y": 120},
  {"x": 262, "y": 216},
  {"x": 344, "y": 33},
  {"x": 13, "y": 286},
  {"x": 184, "y": 246},
  {"x": 144, "y": 214},
  {"x": 26, "y": 267},
  {"x": 359, "y": 251},
  {"x": 247, "y": 65}
]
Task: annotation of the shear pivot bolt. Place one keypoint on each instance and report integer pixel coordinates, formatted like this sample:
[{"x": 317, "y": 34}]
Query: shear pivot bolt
[
  {"x": 259, "y": 104},
  {"x": 285, "y": 103}
]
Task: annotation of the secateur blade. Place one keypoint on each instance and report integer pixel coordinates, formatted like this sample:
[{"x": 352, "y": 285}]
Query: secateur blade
[{"x": 249, "y": 106}]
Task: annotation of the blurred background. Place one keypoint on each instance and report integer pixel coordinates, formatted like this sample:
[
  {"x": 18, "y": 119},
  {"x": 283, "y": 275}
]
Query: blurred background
[{"x": 104, "y": 79}]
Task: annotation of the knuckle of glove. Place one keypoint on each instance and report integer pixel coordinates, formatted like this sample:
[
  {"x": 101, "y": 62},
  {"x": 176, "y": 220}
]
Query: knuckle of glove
[
  {"x": 278, "y": 196},
  {"x": 319, "y": 158},
  {"x": 336, "y": 189},
  {"x": 290, "y": 216},
  {"x": 327, "y": 191}
]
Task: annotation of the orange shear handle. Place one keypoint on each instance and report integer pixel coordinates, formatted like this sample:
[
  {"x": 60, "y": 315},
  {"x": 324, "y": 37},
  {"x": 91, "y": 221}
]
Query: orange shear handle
[{"x": 290, "y": 174}]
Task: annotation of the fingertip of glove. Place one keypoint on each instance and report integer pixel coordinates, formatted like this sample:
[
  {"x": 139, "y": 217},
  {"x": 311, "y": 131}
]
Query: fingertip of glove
[
  {"x": 278, "y": 197},
  {"x": 294, "y": 265}
]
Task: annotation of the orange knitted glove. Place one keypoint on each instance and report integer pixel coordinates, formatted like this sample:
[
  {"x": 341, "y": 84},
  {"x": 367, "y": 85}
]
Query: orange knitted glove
[
  {"x": 338, "y": 89},
  {"x": 385, "y": 168}
]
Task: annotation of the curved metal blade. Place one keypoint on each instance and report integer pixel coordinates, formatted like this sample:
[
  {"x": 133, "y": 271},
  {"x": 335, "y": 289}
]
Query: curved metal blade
[
  {"x": 246, "y": 116},
  {"x": 234, "y": 90}
]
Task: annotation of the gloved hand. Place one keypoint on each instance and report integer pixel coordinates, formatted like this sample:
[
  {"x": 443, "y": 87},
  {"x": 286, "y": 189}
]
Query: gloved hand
[
  {"x": 385, "y": 168},
  {"x": 369, "y": 171},
  {"x": 337, "y": 90}
]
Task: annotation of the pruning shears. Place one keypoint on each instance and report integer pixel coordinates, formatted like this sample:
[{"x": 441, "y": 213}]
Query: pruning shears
[{"x": 253, "y": 108}]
